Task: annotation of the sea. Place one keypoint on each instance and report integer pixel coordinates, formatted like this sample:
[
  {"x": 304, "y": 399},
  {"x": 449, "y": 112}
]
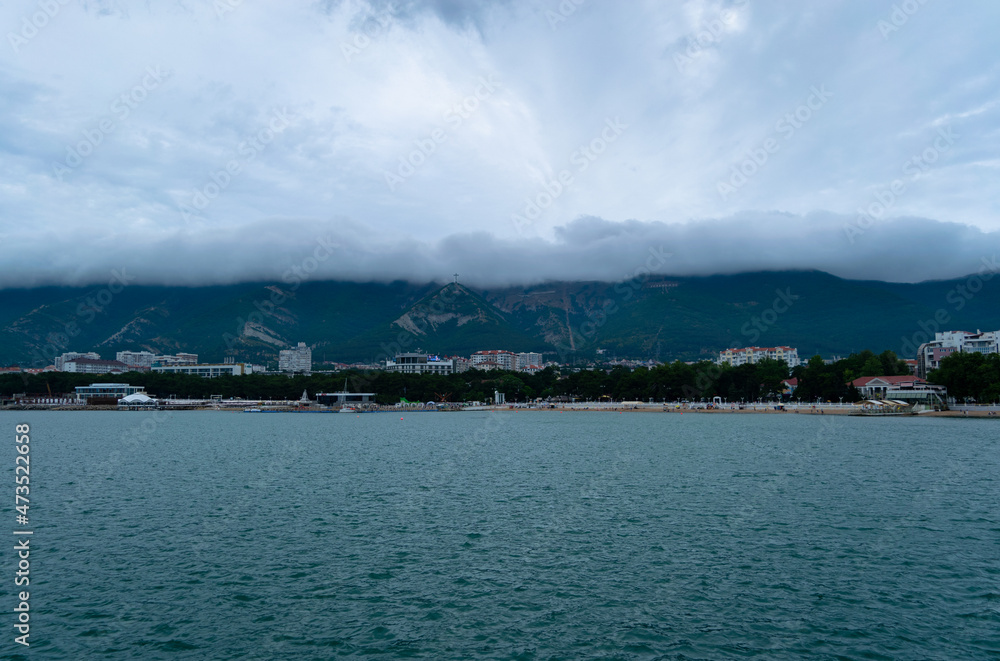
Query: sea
[{"x": 506, "y": 535}]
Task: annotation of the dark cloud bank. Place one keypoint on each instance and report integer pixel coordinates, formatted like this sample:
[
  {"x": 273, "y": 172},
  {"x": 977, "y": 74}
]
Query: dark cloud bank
[{"x": 898, "y": 250}]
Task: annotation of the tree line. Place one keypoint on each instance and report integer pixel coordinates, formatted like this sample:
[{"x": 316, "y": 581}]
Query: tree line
[
  {"x": 970, "y": 376},
  {"x": 817, "y": 380}
]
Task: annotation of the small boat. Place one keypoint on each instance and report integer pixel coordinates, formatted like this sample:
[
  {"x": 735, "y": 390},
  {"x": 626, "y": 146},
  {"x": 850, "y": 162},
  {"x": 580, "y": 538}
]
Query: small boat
[
  {"x": 251, "y": 410},
  {"x": 348, "y": 409}
]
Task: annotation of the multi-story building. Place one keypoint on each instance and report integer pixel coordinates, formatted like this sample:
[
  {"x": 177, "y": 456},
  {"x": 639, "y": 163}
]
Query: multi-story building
[
  {"x": 528, "y": 362},
  {"x": 60, "y": 361},
  {"x": 505, "y": 360},
  {"x": 420, "y": 363},
  {"x": 295, "y": 361},
  {"x": 141, "y": 359},
  {"x": 751, "y": 355},
  {"x": 930, "y": 354},
  {"x": 177, "y": 359},
  {"x": 91, "y": 366},
  {"x": 206, "y": 370}
]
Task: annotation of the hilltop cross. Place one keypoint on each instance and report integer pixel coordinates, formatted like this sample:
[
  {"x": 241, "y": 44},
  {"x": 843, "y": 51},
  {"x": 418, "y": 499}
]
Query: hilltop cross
[{"x": 456, "y": 278}]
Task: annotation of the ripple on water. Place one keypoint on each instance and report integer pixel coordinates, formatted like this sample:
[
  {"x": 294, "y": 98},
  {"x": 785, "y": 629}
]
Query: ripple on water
[{"x": 550, "y": 536}]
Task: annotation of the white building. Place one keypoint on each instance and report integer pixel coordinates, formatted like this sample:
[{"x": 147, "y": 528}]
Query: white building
[
  {"x": 116, "y": 390},
  {"x": 909, "y": 389},
  {"x": 930, "y": 354},
  {"x": 146, "y": 359},
  {"x": 60, "y": 361},
  {"x": 136, "y": 358},
  {"x": 528, "y": 362},
  {"x": 295, "y": 361},
  {"x": 751, "y": 355},
  {"x": 505, "y": 360},
  {"x": 91, "y": 366},
  {"x": 206, "y": 370},
  {"x": 420, "y": 363},
  {"x": 487, "y": 366},
  {"x": 177, "y": 359}
]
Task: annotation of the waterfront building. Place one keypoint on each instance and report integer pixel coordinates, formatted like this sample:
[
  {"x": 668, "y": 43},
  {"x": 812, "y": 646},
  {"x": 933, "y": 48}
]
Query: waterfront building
[
  {"x": 295, "y": 361},
  {"x": 137, "y": 401},
  {"x": 909, "y": 389},
  {"x": 106, "y": 390},
  {"x": 751, "y": 355},
  {"x": 420, "y": 363},
  {"x": 930, "y": 354},
  {"x": 344, "y": 398}
]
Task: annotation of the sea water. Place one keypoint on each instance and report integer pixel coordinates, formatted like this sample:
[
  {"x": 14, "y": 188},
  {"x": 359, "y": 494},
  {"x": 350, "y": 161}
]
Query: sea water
[{"x": 510, "y": 535}]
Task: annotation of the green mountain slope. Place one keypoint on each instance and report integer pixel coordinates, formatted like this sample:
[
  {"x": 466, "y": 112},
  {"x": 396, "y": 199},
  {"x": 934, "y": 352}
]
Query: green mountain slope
[{"x": 663, "y": 318}]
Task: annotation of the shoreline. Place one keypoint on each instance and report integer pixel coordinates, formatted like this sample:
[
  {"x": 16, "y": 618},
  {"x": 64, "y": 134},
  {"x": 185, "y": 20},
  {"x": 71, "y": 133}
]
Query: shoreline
[{"x": 762, "y": 410}]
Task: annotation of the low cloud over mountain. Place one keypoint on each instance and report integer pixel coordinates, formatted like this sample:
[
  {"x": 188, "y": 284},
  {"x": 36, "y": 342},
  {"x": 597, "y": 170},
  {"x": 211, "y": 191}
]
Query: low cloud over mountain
[{"x": 589, "y": 248}]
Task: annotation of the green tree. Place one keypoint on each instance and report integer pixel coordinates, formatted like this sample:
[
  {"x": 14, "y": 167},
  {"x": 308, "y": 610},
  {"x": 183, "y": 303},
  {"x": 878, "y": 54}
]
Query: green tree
[{"x": 873, "y": 367}]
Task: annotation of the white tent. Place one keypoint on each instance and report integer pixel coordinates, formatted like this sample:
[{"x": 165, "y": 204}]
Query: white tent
[{"x": 136, "y": 399}]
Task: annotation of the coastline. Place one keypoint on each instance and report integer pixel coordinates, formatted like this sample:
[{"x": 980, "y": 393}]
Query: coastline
[{"x": 647, "y": 408}]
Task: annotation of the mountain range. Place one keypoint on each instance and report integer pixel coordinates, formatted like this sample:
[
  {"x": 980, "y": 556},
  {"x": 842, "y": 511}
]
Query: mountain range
[{"x": 663, "y": 318}]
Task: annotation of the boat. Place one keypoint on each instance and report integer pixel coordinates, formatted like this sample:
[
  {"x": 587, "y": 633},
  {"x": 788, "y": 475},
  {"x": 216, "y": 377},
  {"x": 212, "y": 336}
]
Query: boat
[{"x": 251, "y": 410}]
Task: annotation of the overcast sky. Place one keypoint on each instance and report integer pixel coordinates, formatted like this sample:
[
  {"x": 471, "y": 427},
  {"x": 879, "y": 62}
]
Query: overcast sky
[{"x": 213, "y": 142}]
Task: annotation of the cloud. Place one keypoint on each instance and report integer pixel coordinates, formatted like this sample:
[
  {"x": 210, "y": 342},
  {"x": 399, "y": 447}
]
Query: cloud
[
  {"x": 391, "y": 125},
  {"x": 899, "y": 250}
]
